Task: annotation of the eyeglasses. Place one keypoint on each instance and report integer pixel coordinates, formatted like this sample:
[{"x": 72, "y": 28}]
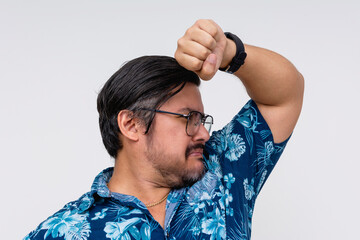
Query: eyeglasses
[{"x": 194, "y": 118}]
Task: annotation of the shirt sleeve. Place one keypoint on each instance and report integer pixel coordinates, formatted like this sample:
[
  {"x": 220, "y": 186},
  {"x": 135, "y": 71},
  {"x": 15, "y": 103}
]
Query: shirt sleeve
[{"x": 243, "y": 153}]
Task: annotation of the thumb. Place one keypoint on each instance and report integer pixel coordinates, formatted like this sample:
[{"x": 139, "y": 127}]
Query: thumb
[{"x": 208, "y": 69}]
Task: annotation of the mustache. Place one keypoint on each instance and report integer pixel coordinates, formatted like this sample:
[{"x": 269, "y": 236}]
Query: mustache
[{"x": 193, "y": 147}]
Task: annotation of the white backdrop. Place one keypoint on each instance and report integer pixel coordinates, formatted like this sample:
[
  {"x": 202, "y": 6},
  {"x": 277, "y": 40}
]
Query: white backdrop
[{"x": 56, "y": 55}]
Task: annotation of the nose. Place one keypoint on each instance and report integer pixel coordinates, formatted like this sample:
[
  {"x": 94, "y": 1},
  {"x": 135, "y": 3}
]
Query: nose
[{"x": 202, "y": 135}]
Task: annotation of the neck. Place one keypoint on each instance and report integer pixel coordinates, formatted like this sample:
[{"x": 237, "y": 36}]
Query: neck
[{"x": 134, "y": 177}]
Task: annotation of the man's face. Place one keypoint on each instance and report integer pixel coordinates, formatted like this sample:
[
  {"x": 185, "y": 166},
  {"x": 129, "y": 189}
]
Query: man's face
[{"x": 175, "y": 156}]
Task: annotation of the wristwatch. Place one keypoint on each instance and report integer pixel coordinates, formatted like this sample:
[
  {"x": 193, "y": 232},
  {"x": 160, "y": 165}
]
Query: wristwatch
[{"x": 239, "y": 57}]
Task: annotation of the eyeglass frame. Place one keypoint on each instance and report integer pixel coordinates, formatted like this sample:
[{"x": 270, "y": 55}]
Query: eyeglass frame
[{"x": 186, "y": 116}]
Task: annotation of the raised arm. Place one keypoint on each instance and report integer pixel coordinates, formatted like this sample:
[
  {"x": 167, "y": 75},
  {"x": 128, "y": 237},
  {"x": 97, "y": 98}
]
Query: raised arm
[{"x": 270, "y": 79}]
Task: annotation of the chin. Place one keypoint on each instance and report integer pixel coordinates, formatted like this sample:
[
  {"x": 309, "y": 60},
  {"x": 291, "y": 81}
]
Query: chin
[
  {"x": 199, "y": 166},
  {"x": 191, "y": 176}
]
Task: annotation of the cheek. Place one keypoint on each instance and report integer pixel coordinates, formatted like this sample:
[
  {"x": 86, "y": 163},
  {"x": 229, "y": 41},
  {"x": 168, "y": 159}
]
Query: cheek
[
  {"x": 171, "y": 135},
  {"x": 175, "y": 144}
]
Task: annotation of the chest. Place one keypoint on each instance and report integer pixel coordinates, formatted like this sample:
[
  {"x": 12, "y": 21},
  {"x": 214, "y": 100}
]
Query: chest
[{"x": 206, "y": 211}]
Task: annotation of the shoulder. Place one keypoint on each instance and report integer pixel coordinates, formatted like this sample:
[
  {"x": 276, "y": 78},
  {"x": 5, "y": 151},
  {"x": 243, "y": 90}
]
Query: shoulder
[
  {"x": 238, "y": 134},
  {"x": 72, "y": 219},
  {"x": 90, "y": 217},
  {"x": 244, "y": 147}
]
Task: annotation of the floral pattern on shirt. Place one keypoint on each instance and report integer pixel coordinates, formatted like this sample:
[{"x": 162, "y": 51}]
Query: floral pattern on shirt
[{"x": 238, "y": 158}]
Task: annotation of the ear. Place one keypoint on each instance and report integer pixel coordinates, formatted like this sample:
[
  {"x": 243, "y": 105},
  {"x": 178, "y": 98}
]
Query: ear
[{"x": 128, "y": 125}]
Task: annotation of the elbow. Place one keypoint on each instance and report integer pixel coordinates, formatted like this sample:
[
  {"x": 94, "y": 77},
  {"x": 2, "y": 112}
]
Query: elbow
[
  {"x": 299, "y": 91},
  {"x": 301, "y": 83}
]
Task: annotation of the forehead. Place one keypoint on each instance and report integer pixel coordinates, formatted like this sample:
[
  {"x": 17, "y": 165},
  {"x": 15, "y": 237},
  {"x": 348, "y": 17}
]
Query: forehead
[{"x": 189, "y": 98}]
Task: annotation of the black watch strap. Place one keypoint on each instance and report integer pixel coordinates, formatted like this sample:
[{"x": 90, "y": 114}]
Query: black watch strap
[{"x": 239, "y": 57}]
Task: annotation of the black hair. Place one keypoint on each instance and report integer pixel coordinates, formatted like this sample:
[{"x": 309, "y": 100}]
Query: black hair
[{"x": 144, "y": 82}]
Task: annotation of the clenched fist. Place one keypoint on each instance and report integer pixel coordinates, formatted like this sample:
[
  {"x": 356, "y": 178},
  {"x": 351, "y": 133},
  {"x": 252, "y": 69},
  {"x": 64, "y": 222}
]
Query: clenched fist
[{"x": 202, "y": 49}]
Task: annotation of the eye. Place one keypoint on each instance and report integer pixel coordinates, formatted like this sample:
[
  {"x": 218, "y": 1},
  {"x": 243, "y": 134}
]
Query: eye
[{"x": 195, "y": 119}]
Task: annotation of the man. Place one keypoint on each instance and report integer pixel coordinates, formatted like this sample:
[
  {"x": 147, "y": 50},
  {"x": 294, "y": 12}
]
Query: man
[{"x": 171, "y": 180}]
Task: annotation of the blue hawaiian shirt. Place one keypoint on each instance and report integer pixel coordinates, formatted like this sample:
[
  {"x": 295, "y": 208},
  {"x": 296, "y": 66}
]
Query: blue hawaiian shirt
[{"x": 239, "y": 159}]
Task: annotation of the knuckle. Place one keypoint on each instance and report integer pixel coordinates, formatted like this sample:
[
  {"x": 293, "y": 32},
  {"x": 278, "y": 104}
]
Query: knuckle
[
  {"x": 189, "y": 31},
  {"x": 200, "y": 21},
  {"x": 211, "y": 22},
  {"x": 210, "y": 43},
  {"x": 176, "y": 54},
  {"x": 212, "y": 30},
  {"x": 208, "y": 25},
  {"x": 180, "y": 42},
  {"x": 197, "y": 64},
  {"x": 204, "y": 53}
]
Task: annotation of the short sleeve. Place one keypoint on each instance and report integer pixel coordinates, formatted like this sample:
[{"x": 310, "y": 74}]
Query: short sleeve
[{"x": 243, "y": 153}]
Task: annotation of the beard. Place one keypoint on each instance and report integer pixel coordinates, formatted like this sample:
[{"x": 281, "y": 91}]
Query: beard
[{"x": 173, "y": 169}]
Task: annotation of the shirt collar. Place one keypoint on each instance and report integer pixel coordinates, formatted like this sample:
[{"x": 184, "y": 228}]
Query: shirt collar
[
  {"x": 100, "y": 183},
  {"x": 100, "y": 187}
]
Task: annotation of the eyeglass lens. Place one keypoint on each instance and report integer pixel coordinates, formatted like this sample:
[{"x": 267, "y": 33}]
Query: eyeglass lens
[{"x": 194, "y": 121}]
